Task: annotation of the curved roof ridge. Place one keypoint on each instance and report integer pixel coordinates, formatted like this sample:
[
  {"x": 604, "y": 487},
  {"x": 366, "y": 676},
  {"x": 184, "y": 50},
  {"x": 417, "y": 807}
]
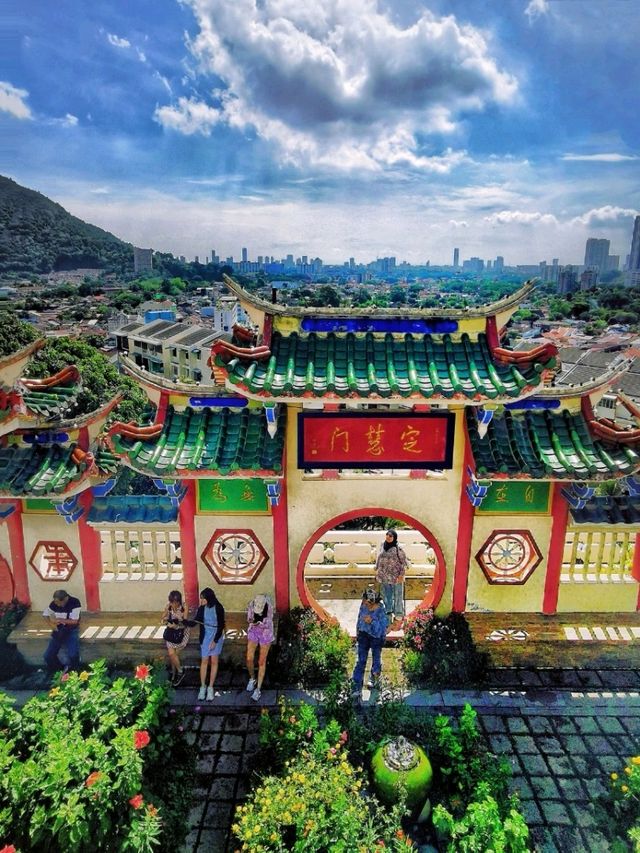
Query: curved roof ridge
[
  {"x": 589, "y": 387},
  {"x": 488, "y": 310}
]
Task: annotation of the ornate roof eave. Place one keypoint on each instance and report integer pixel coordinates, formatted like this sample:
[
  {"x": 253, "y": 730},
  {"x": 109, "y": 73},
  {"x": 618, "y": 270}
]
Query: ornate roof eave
[
  {"x": 161, "y": 383},
  {"x": 592, "y": 386},
  {"x": 85, "y": 479},
  {"x": 456, "y": 401},
  {"x": 249, "y": 301},
  {"x": 188, "y": 474},
  {"x": 25, "y": 424},
  {"x": 23, "y": 354}
]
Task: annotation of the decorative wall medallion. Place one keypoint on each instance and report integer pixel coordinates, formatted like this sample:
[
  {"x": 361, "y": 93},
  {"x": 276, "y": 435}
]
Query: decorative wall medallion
[
  {"x": 235, "y": 556},
  {"x": 509, "y": 556},
  {"x": 53, "y": 561}
]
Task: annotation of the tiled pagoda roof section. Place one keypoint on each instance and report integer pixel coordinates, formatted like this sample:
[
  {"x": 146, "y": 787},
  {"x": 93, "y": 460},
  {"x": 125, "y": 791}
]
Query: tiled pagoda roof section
[
  {"x": 44, "y": 471},
  {"x": 41, "y": 399},
  {"x": 149, "y": 380},
  {"x": 350, "y": 365},
  {"x": 195, "y": 442},
  {"x": 615, "y": 373},
  {"x": 546, "y": 446},
  {"x": 609, "y": 509},
  {"x": 133, "y": 509},
  {"x": 488, "y": 310}
]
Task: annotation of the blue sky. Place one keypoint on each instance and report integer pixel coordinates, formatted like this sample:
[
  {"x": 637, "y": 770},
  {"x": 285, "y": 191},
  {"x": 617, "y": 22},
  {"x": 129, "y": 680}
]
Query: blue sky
[{"x": 333, "y": 128}]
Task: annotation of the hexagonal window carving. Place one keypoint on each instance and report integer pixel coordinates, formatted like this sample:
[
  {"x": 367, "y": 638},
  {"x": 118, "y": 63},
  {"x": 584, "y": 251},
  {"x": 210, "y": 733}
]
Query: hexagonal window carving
[
  {"x": 235, "y": 556},
  {"x": 53, "y": 561},
  {"x": 509, "y": 556}
]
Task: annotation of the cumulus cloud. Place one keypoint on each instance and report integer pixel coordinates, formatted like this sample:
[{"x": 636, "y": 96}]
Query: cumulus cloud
[
  {"x": 189, "y": 116},
  {"x": 67, "y": 120},
  {"x": 607, "y": 215},
  {"x": 600, "y": 158},
  {"x": 12, "y": 101},
  {"x": 520, "y": 217},
  {"x": 116, "y": 41},
  {"x": 339, "y": 83},
  {"x": 536, "y": 8}
]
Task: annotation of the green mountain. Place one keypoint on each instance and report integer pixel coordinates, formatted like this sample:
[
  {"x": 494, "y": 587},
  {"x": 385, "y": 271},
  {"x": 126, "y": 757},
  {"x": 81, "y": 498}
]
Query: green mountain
[{"x": 37, "y": 235}]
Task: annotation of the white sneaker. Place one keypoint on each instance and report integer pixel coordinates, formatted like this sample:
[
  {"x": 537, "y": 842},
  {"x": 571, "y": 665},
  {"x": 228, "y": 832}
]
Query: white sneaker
[
  {"x": 256, "y": 695},
  {"x": 251, "y": 686},
  {"x": 202, "y": 693},
  {"x": 209, "y": 694}
]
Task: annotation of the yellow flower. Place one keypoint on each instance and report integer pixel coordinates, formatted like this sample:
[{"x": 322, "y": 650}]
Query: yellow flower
[
  {"x": 286, "y": 817},
  {"x": 235, "y": 828},
  {"x": 84, "y": 675},
  {"x": 635, "y": 760},
  {"x": 54, "y": 691},
  {"x": 627, "y": 770},
  {"x": 624, "y": 789},
  {"x": 614, "y": 776},
  {"x": 273, "y": 837}
]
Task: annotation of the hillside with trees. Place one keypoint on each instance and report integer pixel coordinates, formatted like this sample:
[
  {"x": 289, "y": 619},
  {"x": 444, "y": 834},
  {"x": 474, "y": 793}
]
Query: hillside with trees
[{"x": 39, "y": 236}]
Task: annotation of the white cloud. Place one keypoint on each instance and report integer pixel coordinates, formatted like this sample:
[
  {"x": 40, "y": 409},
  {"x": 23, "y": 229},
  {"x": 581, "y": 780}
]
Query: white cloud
[
  {"x": 455, "y": 223},
  {"x": 536, "y": 8},
  {"x": 68, "y": 120},
  {"x": 12, "y": 101},
  {"x": 607, "y": 215},
  {"x": 189, "y": 117},
  {"x": 340, "y": 84},
  {"x": 162, "y": 79},
  {"x": 141, "y": 55},
  {"x": 521, "y": 217},
  {"x": 600, "y": 158},
  {"x": 116, "y": 41}
]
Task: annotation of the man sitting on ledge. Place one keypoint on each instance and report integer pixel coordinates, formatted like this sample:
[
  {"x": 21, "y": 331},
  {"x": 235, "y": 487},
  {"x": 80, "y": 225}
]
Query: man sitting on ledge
[{"x": 64, "y": 616}]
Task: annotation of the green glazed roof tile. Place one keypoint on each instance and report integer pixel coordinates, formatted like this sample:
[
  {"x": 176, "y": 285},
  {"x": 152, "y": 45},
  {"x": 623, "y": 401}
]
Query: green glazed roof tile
[
  {"x": 364, "y": 365},
  {"x": 546, "y": 445},
  {"x": 208, "y": 439},
  {"x": 39, "y": 471}
]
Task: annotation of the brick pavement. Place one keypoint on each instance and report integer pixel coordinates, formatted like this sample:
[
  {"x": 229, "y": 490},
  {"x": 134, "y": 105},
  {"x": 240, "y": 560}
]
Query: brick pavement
[{"x": 562, "y": 743}]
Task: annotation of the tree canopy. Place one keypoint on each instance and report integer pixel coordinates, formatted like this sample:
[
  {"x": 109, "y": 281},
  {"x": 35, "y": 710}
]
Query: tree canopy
[{"x": 14, "y": 333}]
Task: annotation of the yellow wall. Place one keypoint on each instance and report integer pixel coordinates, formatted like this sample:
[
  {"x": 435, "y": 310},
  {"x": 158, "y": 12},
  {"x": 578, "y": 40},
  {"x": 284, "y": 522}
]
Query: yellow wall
[
  {"x": 501, "y": 598},
  {"x": 236, "y": 596},
  {"x": 50, "y": 526},
  {"x": 598, "y": 598},
  {"x": 433, "y": 502}
]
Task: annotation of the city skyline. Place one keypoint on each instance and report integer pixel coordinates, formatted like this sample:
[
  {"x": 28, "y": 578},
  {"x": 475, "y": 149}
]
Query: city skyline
[{"x": 357, "y": 129}]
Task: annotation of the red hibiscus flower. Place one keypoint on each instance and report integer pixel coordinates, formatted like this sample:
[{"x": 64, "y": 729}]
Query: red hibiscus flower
[
  {"x": 141, "y": 739},
  {"x": 8, "y": 848},
  {"x": 91, "y": 780},
  {"x": 143, "y": 671},
  {"x": 136, "y": 801}
]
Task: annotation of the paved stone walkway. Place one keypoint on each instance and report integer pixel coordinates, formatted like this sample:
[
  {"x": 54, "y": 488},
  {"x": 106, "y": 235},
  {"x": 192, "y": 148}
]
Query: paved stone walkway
[{"x": 562, "y": 744}]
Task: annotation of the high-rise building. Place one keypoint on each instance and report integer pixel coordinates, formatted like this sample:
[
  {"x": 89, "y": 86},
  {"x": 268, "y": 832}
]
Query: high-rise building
[
  {"x": 499, "y": 264},
  {"x": 456, "y": 258},
  {"x": 633, "y": 264},
  {"x": 596, "y": 253},
  {"x": 142, "y": 259},
  {"x": 245, "y": 256},
  {"x": 567, "y": 281}
]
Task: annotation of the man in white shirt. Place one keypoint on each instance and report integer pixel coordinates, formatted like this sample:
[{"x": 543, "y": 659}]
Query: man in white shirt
[{"x": 64, "y": 616}]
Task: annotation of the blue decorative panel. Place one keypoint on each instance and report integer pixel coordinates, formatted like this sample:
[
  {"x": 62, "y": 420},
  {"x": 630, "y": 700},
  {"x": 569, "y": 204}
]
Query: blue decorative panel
[
  {"x": 534, "y": 403},
  {"x": 232, "y": 402},
  {"x": 434, "y": 326}
]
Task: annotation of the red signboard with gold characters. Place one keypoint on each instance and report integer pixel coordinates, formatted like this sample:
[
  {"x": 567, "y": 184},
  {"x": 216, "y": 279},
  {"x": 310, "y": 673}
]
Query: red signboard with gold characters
[{"x": 375, "y": 439}]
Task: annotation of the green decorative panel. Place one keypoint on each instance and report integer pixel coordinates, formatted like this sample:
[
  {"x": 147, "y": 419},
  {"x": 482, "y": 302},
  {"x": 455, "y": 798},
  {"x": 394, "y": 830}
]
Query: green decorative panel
[
  {"x": 232, "y": 497},
  {"x": 516, "y": 498},
  {"x": 37, "y": 505}
]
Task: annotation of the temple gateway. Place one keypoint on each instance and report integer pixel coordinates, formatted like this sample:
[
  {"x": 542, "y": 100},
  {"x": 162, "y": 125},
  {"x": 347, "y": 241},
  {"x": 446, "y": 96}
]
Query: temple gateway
[{"x": 313, "y": 419}]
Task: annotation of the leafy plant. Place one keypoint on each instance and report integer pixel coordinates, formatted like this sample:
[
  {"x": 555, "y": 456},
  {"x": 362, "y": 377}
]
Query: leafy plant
[
  {"x": 483, "y": 827},
  {"x": 619, "y": 811},
  {"x": 11, "y": 613},
  {"x": 441, "y": 652},
  {"x": 309, "y": 650},
  {"x": 295, "y": 728},
  {"x": 84, "y": 767},
  {"x": 14, "y": 333}
]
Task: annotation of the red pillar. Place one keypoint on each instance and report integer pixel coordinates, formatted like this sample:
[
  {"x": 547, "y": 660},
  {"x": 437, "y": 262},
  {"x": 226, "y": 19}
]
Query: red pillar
[
  {"x": 18, "y": 556},
  {"x": 187, "y": 519},
  {"x": 559, "y": 515},
  {"x": 90, "y": 554},
  {"x": 466, "y": 515},
  {"x": 281, "y": 569}
]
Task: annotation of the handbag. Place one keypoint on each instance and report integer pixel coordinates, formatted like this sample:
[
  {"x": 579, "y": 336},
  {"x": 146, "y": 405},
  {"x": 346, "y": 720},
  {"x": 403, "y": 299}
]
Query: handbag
[{"x": 173, "y": 635}]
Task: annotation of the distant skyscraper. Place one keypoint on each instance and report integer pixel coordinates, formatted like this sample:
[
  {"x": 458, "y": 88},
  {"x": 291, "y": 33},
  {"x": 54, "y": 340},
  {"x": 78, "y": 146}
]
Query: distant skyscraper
[
  {"x": 456, "y": 258},
  {"x": 634, "y": 255},
  {"x": 567, "y": 281},
  {"x": 245, "y": 256},
  {"x": 499, "y": 264},
  {"x": 142, "y": 259},
  {"x": 596, "y": 253}
]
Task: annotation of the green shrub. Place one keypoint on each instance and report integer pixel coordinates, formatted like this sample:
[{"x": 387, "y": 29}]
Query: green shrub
[
  {"x": 10, "y": 614},
  {"x": 441, "y": 651},
  {"x": 483, "y": 827},
  {"x": 93, "y": 765},
  {"x": 618, "y": 813},
  {"x": 309, "y": 650},
  {"x": 318, "y": 805}
]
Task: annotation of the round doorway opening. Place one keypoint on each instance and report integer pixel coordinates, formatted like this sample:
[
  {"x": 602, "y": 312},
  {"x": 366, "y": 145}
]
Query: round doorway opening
[{"x": 339, "y": 562}]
